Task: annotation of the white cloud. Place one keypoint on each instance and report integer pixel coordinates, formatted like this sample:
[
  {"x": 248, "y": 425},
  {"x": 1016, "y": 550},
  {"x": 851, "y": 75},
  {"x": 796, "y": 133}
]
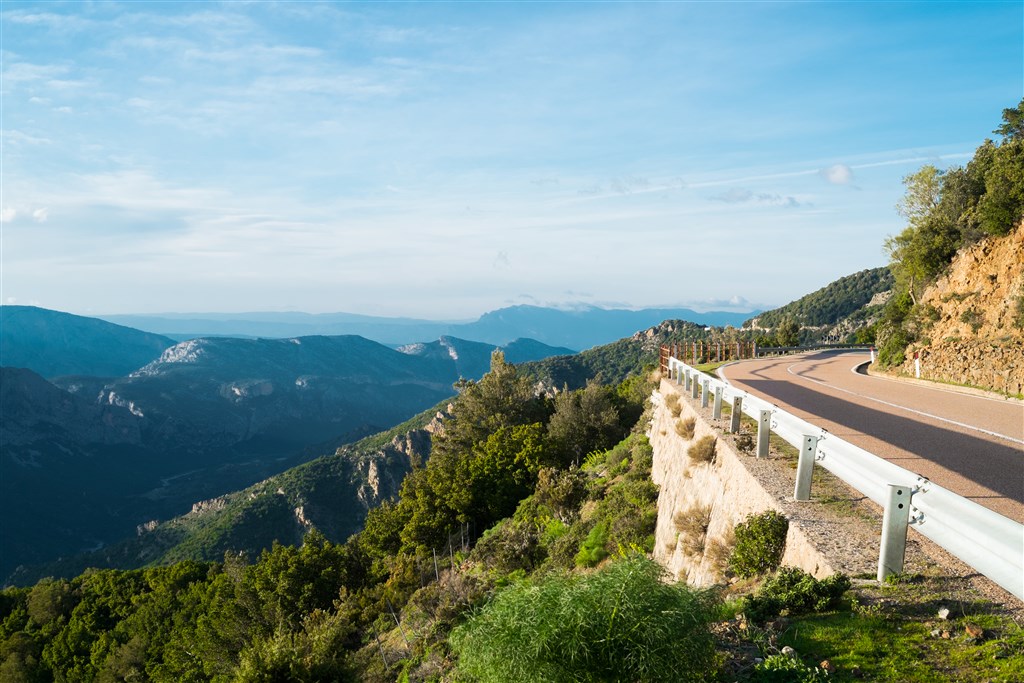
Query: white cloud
[
  {"x": 7, "y": 214},
  {"x": 40, "y": 215},
  {"x": 838, "y": 174}
]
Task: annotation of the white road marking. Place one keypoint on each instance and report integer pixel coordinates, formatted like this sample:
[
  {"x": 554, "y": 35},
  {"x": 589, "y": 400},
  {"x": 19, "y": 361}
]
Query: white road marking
[{"x": 789, "y": 369}]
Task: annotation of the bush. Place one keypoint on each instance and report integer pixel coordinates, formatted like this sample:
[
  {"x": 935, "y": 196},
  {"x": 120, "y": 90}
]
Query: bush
[
  {"x": 760, "y": 542},
  {"x": 796, "y": 591},
  {"x": 621, "y": 623},
  {"x": 704, "y": 450},
  {"x": 685, "y": 428},
  {"x": 592, "y": 550},
  {"x": 785, "y": 669}
]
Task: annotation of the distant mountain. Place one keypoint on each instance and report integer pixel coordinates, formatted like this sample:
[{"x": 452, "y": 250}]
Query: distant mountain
[
  {"x": 473, "y": 359},
  {"x": 85, "y": 459},
  {"x": 52, "y": 343},
  {"x": 574, "y": 329}
]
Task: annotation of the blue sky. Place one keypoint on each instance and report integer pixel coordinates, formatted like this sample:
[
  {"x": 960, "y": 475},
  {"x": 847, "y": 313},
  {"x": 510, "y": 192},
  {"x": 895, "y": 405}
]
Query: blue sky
[{"x": 440, "y": 160}]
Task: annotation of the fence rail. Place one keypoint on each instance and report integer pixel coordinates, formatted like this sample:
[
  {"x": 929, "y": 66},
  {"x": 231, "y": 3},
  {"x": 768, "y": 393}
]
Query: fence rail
[{"x": 985, "y": 540}]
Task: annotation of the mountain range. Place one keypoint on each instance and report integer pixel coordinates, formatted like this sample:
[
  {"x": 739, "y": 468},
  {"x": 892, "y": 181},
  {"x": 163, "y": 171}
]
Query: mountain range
[
  {"x": 85, "y": 459},
  {"x": 578, "y": 328}
]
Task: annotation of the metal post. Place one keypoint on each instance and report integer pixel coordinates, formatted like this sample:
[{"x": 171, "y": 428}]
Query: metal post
[
  {"x": 718, "y": 403},
  {"x": 737, "y": 410},
  {"x": 679, "y": 373},
  {"x": 693, "y": 386},
  {"x": 895, "y": 520},
  {"x": 704, "y": 393},
  {"x": 687, "y": 381},
  {"x": 764, "y": 430},
  {"x": 805, "y": 468}
]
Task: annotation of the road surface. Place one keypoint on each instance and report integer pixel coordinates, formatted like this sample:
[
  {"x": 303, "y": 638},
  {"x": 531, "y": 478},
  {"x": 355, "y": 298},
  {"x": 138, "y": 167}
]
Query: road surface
[{"x": 971, "y": 445}]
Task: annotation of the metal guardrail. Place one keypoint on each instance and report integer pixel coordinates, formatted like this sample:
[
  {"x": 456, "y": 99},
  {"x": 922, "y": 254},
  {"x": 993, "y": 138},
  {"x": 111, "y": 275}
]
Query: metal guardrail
[{"x": 985, "y": 540}]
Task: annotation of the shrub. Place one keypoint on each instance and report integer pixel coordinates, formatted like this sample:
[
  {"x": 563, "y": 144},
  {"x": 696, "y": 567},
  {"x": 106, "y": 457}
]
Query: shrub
[
  {"x": 785, "y": 669},
  {"x": 703, "y": 450},
  {"x": 1018, "y": 315},
  {"x": 592, "y": 549},
  {"x": 621, "y": 623},
  {"x": 685, "y": 428},
  {"x": 796, "y": 591},
  {"x": 973, "y": 318},
  {"x": 760, "y": 542},
  {"x": 744, "y": 442}
]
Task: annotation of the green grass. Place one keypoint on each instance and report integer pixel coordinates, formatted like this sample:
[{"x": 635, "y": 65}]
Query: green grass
[{"x": 901, "y": 649}]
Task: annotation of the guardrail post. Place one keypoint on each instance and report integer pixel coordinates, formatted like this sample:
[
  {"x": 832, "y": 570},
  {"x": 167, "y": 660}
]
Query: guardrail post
[
  {"x": 679, "y": 373},
  {"x": 687, "y": 382},
  {"x": 718, "y": 403},
  {"x": 895, "y": 520},
  {"x": 694, "y": 386},
  {"x": 805, "y": 468},
  {"x": 704, "y": 393},
  {"x": 737, "y": 410},
  {"x": 764, "y": 430}
]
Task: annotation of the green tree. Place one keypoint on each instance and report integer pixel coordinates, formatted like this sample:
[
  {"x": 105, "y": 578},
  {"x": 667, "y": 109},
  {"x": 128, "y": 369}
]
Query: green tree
[
  {"x": 1012, "y": 127},
  {"x": 584, "y": 420},
  {"x": 787, "y": 333}
]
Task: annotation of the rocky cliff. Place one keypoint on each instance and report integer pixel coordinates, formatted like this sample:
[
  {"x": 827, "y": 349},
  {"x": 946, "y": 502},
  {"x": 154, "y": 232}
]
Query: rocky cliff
[{"x": 973, "y": 323}]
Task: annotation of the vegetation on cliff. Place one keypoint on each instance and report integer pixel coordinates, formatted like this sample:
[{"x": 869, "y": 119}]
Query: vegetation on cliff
[{"x": 948, "y": 211}]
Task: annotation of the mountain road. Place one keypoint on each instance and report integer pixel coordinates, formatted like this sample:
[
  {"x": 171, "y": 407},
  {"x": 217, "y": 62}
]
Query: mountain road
[{"x": 971, "y": 445}]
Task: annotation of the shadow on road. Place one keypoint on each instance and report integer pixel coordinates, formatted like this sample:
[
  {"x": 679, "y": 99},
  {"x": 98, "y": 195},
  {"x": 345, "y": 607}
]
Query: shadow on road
[{"x": 992, "y": 465}]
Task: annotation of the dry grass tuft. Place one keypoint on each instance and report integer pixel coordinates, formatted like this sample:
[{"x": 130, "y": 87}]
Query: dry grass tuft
[
  {"x": 717, "y": 551},
  {"x": 703, "y": 450},
  {"x": 685, "y": 428},
  {"x": 692, "y": 525},
  {"x": 672, "y": 401}
]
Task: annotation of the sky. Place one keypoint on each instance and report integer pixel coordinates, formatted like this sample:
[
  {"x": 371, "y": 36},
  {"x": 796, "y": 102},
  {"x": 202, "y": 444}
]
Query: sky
[{"x": 440, "y": 160}]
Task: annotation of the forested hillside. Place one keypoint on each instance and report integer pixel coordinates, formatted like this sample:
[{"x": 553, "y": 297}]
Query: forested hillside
[
  {"x": 549, "y": 468},
  {"x": 851, "y": 303}
]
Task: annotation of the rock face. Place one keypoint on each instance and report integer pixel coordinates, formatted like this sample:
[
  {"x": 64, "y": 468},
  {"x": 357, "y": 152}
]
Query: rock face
[{"x": 974, "y": 333}]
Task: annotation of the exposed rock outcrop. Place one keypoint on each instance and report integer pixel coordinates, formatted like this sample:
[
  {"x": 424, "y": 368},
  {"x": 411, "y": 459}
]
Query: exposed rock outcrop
[{"x": 973, "y": 332}]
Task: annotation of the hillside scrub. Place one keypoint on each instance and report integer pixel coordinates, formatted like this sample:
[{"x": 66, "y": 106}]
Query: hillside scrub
[
  {"x": 946, "y": 211},
  {"x": 503, "y": 463}
]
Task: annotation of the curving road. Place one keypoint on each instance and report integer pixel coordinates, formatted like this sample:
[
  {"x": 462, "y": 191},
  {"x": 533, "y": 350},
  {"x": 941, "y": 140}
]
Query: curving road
[{"x": 972, "y": 445}]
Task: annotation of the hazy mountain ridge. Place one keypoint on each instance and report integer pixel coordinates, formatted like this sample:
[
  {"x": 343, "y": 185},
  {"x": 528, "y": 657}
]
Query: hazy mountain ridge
[
  {"x": 52, "y": 343},
  {"x": 579, "y": 328}
]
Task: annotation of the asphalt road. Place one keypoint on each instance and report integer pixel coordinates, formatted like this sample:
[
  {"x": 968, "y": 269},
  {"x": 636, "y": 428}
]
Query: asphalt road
[{"x": 972, "y": 445}]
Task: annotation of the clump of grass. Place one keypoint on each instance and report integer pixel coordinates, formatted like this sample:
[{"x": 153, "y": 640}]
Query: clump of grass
[
  {"x": 703, "y": 450},
  {"x": 692, "y": 525},
  {"x": 685, "y": 428},
  {"x": 621, "y": 622},
  {"x": 717, "y": 551},
  {"x": 672, "y": 401}
]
